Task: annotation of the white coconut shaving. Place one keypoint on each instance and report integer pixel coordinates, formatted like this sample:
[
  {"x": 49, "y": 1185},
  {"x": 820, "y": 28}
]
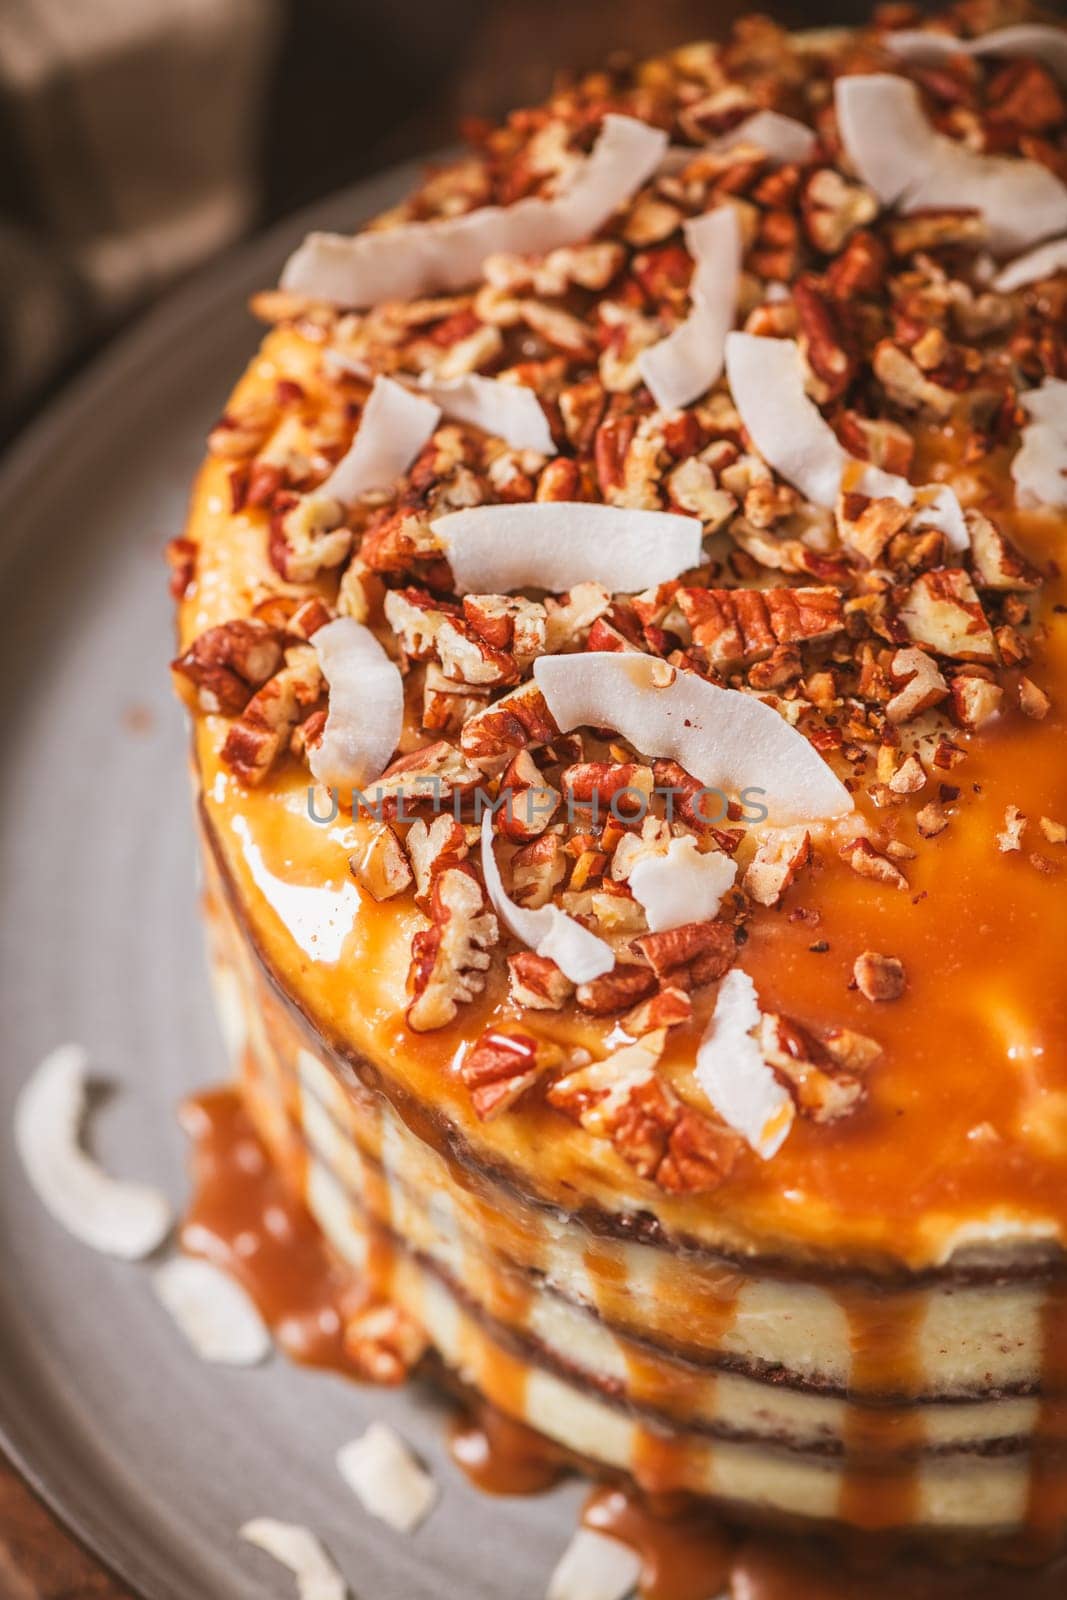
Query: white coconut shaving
[
  {"x": 119, "y": 1218},
  {"x": 766, "y": 379},
  {"x": 387, "y": 1479},
  {"x": 594, "y": 1567},
  {"x": 579, "y": 954},
  {"x": 296, "y": 1547},
  {"x": 937, "y": 506},
  {"x": 1045, "y": 44},
  {"x": 392, "y": 430},
  {"x": 728, "y": 741},
  {"x": 782, "y": 138},
  {"x": 682, "y": 885},
  {"x": 366, "y": 706},
  {"x": 733, "y": 1074},
  {"x": 907, "y": 163},
  {"x": 424, "y": 258},
  {"x": 508, "y": 411},
  {"x": 214, "y": 1313},
  {"x": 1039, "y": 468},
  {"x": 1036, "y": 264},
  {"x": 680, "y": 368},
  {"x": 556, "y": 545}
]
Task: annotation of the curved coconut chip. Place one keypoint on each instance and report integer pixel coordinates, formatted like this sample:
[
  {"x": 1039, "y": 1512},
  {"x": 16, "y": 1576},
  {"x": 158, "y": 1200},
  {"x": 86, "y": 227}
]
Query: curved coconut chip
[
  {"x": 682, "y": 367},
  {"x": 782, "y": 138},
  {"x": 122, "y": 1219},
  {"x": 392, "y": 430},
  {"x": 296, "y": 1547},
  {"x": 766, "y": 379},
  {"x": 903, "y": 158},
  {"x": 579, "y": 954},
  {"x": 1039, "y": 468},
  {"x": 1043, "y": 262},
  {"x": 594, "y": 1567},
  {"x": 508, "y": 411},
  {"x": 682, "y": 885},
  {"x": 423, "y": 258},
  {"x": 727, "y": 740},
  {"x": 1048, "y": 45},
  {"x": 555, "y": 545},
  {"x": 938, "y": 506},
  {"x": 214, "y": 1313},
  {"x": 386, "y": 1478},
  {"x": 366, "y": 706},
  {"x": 733, "y": 1074}
]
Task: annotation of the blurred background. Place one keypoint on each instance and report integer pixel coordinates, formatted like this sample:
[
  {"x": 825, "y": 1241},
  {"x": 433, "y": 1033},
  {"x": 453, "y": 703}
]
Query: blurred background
[{"x": 139, "y": 138}]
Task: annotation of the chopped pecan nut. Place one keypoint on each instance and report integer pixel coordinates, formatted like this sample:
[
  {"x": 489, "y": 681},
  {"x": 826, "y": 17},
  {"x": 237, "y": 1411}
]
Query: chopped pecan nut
[
  {"x": 832, "y": 209},
  {"x": 229, "y": 662},
  {"x": 879, "y": 977},
  {"x": 537, "y": 870},
  {"x": 917, "y": 685},
  {"x": 615, "y": 990},
  {"x": 537, "y": 982},
  {"x": 1011, "y": 836},
  {"x": 821, "y": 1089},
  {"x": 1033, "y": 702},
  {"x": 735, "y": 626},
  {"x": 942, "y": 610},
  {"x": 975, "y": 700},
  {"x": 450, "y": 959},
  {"x": 262, "y": 732},
  {"x": 704, "y": 951},
  {"x": 528, "y": 802},
  {"x": 309, "y": 537},
  {"x": 667, "y": 1008},
  {"x": 381, "y": 868},
  {"x": 865, "y": 860},
  {"x": 500, "y": 1068},
  {"x": 384, "y": 1343},
  {"x": 997, "y": 564},
  {"x": 780, "y": 855},
  {"x": 432, "y": 847},
  {"x": 518, "y": 719}
]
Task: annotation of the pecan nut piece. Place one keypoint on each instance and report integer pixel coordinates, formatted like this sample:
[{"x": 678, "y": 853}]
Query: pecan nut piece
[
  {"x": 701, "y": 951},
  {"x": 262, "y": 732},
  {"x": 500, "y": 1068},
  {"x": 229, "y": 662},
  {"x": 451, "y": 958},
  {"x": 384, "y": 1343},
  {"x": 537, "y": 982}
]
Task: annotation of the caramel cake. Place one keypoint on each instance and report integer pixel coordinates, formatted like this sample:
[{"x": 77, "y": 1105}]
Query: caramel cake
[{"x": 623, "y": 620}]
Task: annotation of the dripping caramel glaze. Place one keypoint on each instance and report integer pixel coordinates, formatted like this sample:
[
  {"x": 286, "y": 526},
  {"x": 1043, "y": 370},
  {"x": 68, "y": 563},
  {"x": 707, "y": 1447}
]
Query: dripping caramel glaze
[{"x": 245, "y": 1216}]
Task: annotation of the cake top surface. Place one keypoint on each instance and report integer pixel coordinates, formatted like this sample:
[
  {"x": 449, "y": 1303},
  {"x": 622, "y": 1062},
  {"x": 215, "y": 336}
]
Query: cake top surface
[{"x": 624, "y": 614}]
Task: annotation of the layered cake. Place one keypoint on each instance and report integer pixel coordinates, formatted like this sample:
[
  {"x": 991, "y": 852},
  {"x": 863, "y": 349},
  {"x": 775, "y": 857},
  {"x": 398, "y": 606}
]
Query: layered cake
[{"x": 623, "y": 617}]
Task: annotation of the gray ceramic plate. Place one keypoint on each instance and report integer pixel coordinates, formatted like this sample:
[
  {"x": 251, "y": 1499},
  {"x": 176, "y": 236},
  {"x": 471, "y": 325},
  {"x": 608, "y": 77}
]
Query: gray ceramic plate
[{"x": 152, "y": 1458}]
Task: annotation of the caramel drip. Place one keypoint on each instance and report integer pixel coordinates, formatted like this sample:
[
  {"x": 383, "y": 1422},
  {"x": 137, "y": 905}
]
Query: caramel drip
[
  {"x": 501, "y": 1456},
  {"x": 880, "y": 1488},
  {"x": 687, "y": 1556},
  {"x": 247, "y": 1220},
  {"x": 1046, "y": 1514}
]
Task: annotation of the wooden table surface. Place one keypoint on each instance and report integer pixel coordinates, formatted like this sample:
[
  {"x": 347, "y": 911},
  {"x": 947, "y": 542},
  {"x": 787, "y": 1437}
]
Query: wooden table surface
[{"x": 38, "y": 1560}]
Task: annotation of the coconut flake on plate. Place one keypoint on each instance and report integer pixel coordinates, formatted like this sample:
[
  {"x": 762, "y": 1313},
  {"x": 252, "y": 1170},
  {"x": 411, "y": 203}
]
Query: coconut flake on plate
[
  {"x": 766, "y": 378},
  {"x": 392, "y": 430},
  {"x": 733, "y": 1074},
  {"x": 296, "y": 1547},
  {"x": 580, "y": 955},
  {"x": 684, "y": 365},
  {"x": 1039, "y": 467},
  {"x": 387, "y": 1479},
  {"x": 555, "y": 545},
  {"x": 1045, "y": 44},
  {"x": 938, "y": 506},
  {"x": 214, "y": 1313},
  {"x": 508, "y": 411},
  {"x": 594, "y": 1567},
  {"x": 112, "y": 1215},
  {"x": 902, "y": 157},
  {"x": 366, "y": 706},
  {"x": 1036, "y": 264},
  {"x": 682, "y": 884},
  {"x": 727, "y": 740},
  {"x": 423, "y": 258}
]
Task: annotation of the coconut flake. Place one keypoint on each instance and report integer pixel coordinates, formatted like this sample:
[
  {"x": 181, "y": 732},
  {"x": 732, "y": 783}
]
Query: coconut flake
[
  {"x": 1045, "y": 44},
  {"x": 683, "y": 885},
  {"x": 215, "y": 1314},
  {"x": 594, "y": 1567},
  {"x": 509, "y": 411},
  {"x": 122, "y": 1219},
  {"x": 366, "y": 708},
  {"x": 579, "y": 954},
  {"x": 392, "y": 430},
  {"x": 903, "y": 158},
  {"x": 556, "y": 545},
  {"x": 782, "y": 138},
  {"x": 423, "y": 258},
  {"x": 1036, "y": 264},
  {"x": 297, "y": 1548},
  {"x": 386, "y": 1478},
  {"x": 683, "y": 366},
  {"x": 727, "y": 740},
  {"x": 733, "y": 1074},
  {"x": 938, "y": 507},
  {"x": 1039, "y": 468},
  {"x": 766, "y": 379}
]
